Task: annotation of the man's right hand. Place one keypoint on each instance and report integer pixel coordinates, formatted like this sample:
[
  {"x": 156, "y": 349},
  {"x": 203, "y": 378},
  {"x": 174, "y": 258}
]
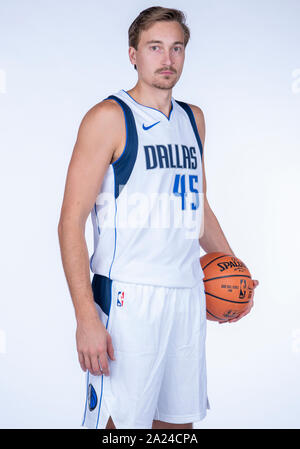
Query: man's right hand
[{"x": 94, "y": 343}]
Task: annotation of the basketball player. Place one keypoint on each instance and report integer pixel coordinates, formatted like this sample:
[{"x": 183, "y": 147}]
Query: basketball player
[{"x": 141, "y": 324}]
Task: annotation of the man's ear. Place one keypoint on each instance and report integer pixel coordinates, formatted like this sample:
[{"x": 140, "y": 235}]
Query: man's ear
[{"x": 132, "y": 55}]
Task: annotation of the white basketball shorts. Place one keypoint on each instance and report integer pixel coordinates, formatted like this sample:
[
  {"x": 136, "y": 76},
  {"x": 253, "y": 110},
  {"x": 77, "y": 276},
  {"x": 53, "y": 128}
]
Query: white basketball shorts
[{"x": 158, "y": 334}]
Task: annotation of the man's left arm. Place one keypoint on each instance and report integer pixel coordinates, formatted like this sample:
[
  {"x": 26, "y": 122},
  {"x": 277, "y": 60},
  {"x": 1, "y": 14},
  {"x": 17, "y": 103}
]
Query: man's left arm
[{"x": 212, "y": 238}]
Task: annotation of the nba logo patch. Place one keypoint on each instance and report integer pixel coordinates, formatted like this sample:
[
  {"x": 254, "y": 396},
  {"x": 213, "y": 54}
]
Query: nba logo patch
[{"x": 120, "y": 299}]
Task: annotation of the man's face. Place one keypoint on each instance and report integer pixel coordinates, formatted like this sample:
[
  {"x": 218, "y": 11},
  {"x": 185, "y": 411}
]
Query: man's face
[{"x": 160, "y": 49}]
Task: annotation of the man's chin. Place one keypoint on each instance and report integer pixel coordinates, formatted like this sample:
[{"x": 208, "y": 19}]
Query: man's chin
[{"x": 164, "y": 85}]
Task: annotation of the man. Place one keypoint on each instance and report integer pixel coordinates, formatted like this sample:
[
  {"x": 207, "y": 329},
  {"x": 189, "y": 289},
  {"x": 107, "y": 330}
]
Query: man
[{"x": 142, "y": 323}]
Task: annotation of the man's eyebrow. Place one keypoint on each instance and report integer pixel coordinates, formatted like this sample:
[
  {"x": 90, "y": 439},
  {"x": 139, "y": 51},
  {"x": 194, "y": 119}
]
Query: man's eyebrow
[{"x": 161, "y": 42}]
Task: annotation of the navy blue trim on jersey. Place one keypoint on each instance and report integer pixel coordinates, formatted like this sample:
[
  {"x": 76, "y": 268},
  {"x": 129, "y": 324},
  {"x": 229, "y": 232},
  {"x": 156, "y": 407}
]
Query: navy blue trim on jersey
[
  {"x": 123, "y": 166},
  {"x": 149, "y": 107},
  {"x": 101, "y": 286},
  {"x": 190, "y": 113}
]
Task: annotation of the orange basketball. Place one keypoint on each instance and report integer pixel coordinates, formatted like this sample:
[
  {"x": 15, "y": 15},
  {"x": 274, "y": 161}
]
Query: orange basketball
[{"x": 228, "y": 286}]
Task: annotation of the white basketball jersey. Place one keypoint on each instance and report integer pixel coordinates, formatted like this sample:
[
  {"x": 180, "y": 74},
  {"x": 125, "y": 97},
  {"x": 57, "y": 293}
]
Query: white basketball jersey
[{"x": 148, "y": 215}]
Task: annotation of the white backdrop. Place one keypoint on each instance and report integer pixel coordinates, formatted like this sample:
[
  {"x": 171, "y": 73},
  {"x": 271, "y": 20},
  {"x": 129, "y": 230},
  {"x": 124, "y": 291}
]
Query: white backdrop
[{"x": 59, "y": 58}]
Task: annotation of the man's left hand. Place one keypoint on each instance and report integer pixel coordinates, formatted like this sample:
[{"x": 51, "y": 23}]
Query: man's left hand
[{"x": 250, "y": 305}]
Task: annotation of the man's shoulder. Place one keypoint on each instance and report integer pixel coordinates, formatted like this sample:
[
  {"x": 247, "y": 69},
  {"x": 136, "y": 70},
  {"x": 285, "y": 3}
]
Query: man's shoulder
[
  {"x": 197, "y": 111},
  {"x": 103, "y": 122},
  {"x": 200, "y": 121},
  {"x": 107, "y": 109}
]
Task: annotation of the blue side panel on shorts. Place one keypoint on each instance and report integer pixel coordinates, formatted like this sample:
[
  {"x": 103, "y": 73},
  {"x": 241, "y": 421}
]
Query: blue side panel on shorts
[
  {"x": 101, "y": 286},
  {"x": 190, "y": 113},
  {"x": 123, "y": 166}
]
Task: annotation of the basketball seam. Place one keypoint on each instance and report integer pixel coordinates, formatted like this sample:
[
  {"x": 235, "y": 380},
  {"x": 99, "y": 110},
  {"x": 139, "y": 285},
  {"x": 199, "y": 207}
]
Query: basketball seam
[
  {"x": 228, "y": 276},
  {"x": 227, "y": 300}
]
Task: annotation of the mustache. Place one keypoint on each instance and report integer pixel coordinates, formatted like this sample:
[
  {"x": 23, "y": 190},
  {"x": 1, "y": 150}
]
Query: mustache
[{"x": 167, "y": 70}]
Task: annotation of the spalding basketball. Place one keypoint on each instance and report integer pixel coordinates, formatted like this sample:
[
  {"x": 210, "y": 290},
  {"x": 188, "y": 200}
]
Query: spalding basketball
[{"x": 228, "y": 286}]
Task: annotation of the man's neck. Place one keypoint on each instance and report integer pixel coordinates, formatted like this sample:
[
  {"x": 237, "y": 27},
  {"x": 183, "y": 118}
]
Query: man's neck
[{"x": 153, "y": 97}]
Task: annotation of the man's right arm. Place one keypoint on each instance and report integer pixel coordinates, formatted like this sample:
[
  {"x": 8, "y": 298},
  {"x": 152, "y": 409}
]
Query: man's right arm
[{"x": 96, "y": 142}]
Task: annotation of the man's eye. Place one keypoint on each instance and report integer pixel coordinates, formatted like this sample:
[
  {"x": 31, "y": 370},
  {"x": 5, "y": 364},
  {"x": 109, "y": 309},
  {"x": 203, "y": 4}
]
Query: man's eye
[
  {"x": 154, "y": 46},
  {"x": 179, "y": 49}
]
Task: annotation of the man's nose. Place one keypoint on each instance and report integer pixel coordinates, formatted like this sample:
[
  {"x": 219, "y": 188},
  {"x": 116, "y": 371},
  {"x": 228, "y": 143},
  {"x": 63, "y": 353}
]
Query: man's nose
[{"x": 167, "y": 59}]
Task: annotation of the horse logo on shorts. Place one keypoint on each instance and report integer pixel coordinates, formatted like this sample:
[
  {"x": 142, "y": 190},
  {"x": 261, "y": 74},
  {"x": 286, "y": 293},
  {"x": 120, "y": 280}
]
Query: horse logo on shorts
[{"x": 92, "y": 398}]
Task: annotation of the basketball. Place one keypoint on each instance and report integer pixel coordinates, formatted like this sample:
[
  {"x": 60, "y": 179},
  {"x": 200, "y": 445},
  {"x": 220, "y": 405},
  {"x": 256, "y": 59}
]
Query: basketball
[{"x": 228, "y": 286}]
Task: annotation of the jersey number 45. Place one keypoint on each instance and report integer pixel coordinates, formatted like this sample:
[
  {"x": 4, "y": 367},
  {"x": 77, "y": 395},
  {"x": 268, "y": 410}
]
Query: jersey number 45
[{"x": 179, "y": 189}]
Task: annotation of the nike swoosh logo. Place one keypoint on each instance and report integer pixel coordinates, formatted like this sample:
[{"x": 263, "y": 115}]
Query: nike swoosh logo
[{"x": 148, "y": 127}]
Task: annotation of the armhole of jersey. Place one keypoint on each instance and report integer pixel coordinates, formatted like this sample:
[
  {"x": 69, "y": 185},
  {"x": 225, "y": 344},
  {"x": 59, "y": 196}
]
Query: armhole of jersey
[
  {"x": 191, "y": 116},
  {"x": 123, "y": 166},
  {"x": 113, "y": 97}
]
